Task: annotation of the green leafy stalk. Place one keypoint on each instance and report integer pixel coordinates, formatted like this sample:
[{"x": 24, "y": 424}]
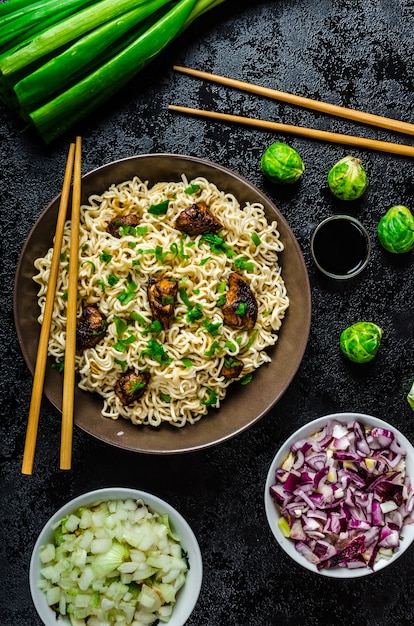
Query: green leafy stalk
[
  {"x": 61, "y": 59},
  {"x": 63, "y": 70},
  {"x": 64, "y": 32},
  {"x": 65, "y": 110},
  {"x": 30, "y": 21}
]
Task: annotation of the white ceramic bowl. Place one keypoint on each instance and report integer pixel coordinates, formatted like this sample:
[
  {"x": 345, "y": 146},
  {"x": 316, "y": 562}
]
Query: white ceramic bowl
[
  {"x": 273, "y": 514},
  {"x": 186, "y": 597}
]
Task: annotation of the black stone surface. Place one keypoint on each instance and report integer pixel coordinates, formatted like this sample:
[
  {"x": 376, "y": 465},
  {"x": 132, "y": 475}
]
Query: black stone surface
[{"x": 359, "y": 54}]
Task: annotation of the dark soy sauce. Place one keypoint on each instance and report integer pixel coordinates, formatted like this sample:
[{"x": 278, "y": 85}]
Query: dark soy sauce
[{"x": 340, "y": 247}]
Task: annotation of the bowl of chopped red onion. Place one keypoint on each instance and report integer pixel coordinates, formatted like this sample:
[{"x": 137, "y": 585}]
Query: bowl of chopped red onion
[{"x": 339, "y": 495}]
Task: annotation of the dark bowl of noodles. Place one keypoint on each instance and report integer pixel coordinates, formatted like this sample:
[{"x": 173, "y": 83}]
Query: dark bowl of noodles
[{"x": 243, "y": 404}]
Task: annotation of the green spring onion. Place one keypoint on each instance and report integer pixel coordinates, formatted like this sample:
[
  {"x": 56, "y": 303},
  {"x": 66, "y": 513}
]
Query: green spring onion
[{"x": 62, "y": 59}]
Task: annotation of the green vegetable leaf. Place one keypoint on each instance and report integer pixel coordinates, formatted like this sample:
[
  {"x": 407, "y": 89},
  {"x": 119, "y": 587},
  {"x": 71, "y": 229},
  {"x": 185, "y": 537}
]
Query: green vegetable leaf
[
  {"x": 211, "y": 398},
  {"x": 217, "y": 244},
  {"x": 212, "y": 329},
  {"x": 187, "y": 362},
  {"x": 215, "y": 346},
  {"x": 241, "y": 309},
  {"x": 192, "y": 189},
  {"x": 159, "y": 209},
  {"x": 156, "y": 351},
  {"x": 129, "y": 293},
  {"x": 244, "y": 264},
  {"x": 105, "y": 257},
  {"x": 256, "y": 239}
]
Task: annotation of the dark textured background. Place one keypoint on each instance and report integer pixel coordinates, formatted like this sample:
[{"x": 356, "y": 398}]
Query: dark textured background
[{"x": 344, "y": 51}]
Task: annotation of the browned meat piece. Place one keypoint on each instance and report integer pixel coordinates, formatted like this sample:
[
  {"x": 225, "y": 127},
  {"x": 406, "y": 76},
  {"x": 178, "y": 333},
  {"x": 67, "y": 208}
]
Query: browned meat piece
[
  {"x": 90, "y": 328},
  {"x": 232, "y": 368},
  {"x": 116, "y": 224},
  {"x": 161, "y": 295},
  {"x": 131, "y": 386},
  {"x": 240, "y": 308},
  {"x": 196, "y": 220}
]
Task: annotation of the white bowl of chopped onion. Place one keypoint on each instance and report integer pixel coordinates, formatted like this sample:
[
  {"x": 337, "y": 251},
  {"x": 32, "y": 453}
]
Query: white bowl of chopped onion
[
  {"x": 116, "y": 555},
  {"x": 339, "y": 495}
]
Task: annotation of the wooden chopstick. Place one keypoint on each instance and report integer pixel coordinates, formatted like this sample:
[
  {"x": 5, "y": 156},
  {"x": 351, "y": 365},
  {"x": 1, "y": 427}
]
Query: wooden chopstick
[
  {"x": 41, "y": 358},
  {"x": 70, "y": 348},
  {"x": 316, "y": 105},
  {"x": 361, "y": 142}
]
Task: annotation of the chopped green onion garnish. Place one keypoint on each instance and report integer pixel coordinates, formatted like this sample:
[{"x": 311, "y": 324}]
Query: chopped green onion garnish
[
  {"x": 241, "y": 309},
  {"x": 244, "y": 264},
  {"x": 105, "y": 257},
  {"x": 192, "y": 189},
  {"x": 255, "y": 238},
  {"x": 187, "y": 362},
  {"x": 159, "y": 209},
  {"x": 112, "y": 280},
  {"x": 211, "y": 397},
  {"x": 91, "y": 263},
  {"x": 156, "y": 351},
  {"x": 123, "y": 364},
  {"x": 213, "y": 348},
  {"x": 195, "y": 313},
  {"x": 246, "y": 379},
  {"x": 212, "y": 328}
]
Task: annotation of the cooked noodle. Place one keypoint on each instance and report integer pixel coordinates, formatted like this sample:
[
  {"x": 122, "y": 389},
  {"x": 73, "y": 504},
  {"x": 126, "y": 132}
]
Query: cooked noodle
[{"x": 114, "y": 273}]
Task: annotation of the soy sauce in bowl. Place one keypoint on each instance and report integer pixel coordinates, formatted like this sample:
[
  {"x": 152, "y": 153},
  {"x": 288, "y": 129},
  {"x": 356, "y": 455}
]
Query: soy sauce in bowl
[{"x": 340, "y": 246}]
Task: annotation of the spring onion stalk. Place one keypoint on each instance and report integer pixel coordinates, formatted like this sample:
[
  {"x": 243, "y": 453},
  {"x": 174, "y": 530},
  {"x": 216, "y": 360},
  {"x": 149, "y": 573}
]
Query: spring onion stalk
[
  {"x": 38, "y": 15},
  {"x": 59, "y": 115},
  {"x": 59, "y": 68},
  {"x": 65, "y": 31},
  {"x": 61, "y": 71}
]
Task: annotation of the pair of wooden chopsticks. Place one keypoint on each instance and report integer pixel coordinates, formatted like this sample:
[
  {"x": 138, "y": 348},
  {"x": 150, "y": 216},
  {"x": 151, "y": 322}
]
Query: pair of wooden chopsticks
[
  {"x": 324, "y": 107},
  {"x": 73, "y": 164}
]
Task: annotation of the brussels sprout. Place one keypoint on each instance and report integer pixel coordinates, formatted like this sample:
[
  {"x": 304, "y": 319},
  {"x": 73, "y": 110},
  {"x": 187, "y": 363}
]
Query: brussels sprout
[
  {"x": 282, "y": 164},
  {"x": 347, "y": 179},
  {"x": 360, "y": 341},
  {"x": 410, "y": 397},
  {"x": 396, "y": 230}
]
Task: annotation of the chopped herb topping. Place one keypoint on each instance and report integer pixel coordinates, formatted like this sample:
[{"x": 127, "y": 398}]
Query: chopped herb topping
[
  {"x": 252, "y": 338},
  {"x": 101, "y": 283},
  {"x": 256, "y": 239},
  {"x": 217, "y": 244},
  {"x": 215, "y": 346},
  {"x": 91, "y": 263},
  {"x": 105, "y": 257},
  {"x": 211, "y": 398},
  {"x": 153, "y": 328},
  {"x": 165, "y": 397},
  {"x": 156, "y": 351},
  {"x": 187, "y": 362},
  {"x": 241, "y": 309},
  {"x": 128, "y": 294},
  {"x": 192, "y": 189},
  {"x": 159, "y": 209},
  {"x": 59, "y": 365},
  {"x": 244, "y": 264},
  {"x": 246, "y": 379},
  {"x": 195, "y": 313},
  {"x": 212, "y": 328},
  {"x": 112, "y": 280},
  {"x": 230, "y": 345},
  {"x": 121, "y": 345},
  {"x": 123, "y": 364}
]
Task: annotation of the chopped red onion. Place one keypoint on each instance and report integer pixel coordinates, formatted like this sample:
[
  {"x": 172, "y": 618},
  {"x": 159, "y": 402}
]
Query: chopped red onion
[{"x": 345, "y": 495}]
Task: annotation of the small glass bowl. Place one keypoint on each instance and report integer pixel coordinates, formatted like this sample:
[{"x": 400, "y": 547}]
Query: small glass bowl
[{"x": 340, "y": 247}]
